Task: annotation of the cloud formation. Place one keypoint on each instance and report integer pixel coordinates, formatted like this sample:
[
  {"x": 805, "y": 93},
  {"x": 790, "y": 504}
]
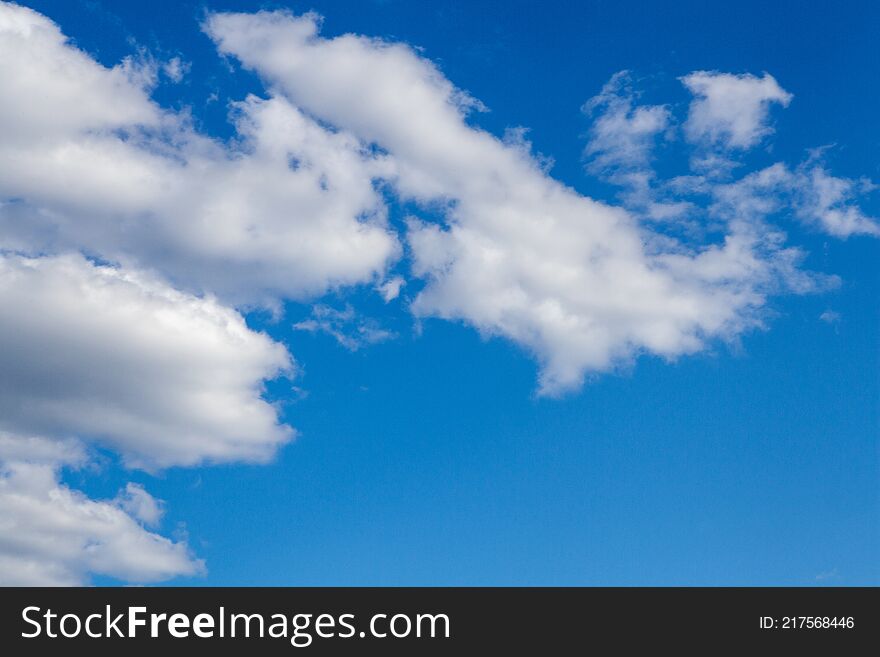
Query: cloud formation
[
  {"x": 160, "y": 376},
  {"x": 731, "y": 111},
  {"x": 130, "y": 240},
  {"x": 620, "y": 150},
  {"x": 87, "y": 161},
  {"x": 52, "y": 535},
  {"x": 118, "y": 358},
  {"x": 623, "y": 134},
  {"x": 345, "y": 326},
  {"x": 582, "y": 285}
]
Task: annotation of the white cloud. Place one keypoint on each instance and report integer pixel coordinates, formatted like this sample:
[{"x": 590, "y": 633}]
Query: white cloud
[
  {"x": 814, "y": 196},
  {"x": 44, "y": 451},
  {"x": 391, "y": 288},
  {"x": 620, "y": 146},
  {"x": 105, "y": 354},
  {"x": 51, "y": 535},
  {"x": 73, "y": 91},
  {"x": 830, "y": 317},
  {"x": 113, "y": 354},
  {"x": 139, "y": 504},
  {"x": 97, "y": 353},
  {"x": 623, "y": 134},
  {"x": 826, "y": 202},
  {"x": 88, "y": 161},
  {"x": 621, "y": 153},
  {"x": 346, "y": 326},
  {"x": 176, "y": 69},
  {"x": 576, "y": 282},
  {"x": 731, "y": 111}
]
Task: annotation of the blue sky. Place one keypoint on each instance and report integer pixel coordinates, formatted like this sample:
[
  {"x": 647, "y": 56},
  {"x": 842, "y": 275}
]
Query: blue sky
[{"x": 428, "y": 455}]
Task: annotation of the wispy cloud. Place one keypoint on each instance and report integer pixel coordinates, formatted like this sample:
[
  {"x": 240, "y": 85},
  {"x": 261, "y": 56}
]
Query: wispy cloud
[{"x": 346, "y": 326}]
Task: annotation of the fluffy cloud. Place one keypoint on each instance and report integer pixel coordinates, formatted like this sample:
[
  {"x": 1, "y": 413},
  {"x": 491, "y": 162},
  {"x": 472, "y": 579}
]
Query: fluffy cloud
[
  {"x": 103, "y": 354},
  {"x": 114, "y": 355},
  {"x": 160, "y": 376},
  {"x": 51, "y": 535},
  {"x": 731, "y": 111},
  {"x": 579, "y": 283},
  {"x": 88, "y": 161}
]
